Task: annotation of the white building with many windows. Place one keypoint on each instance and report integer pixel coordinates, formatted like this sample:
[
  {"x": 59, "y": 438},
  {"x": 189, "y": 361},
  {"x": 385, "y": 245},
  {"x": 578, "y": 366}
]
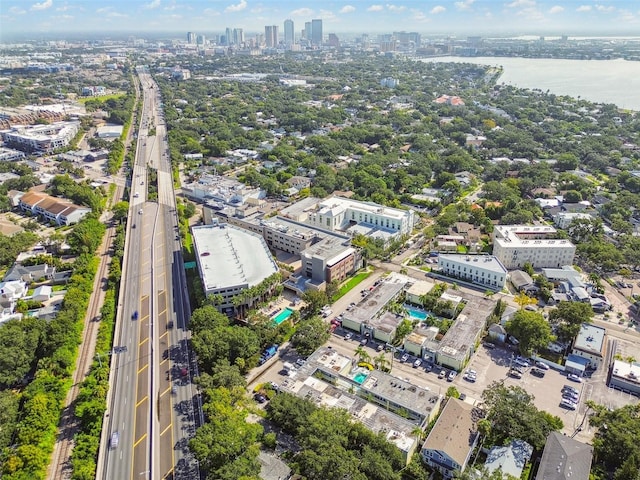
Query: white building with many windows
[
  {"x": 484, "y": 270},
  {"x": 515, "y": 245},
  {"x": 40, "y": 138},
  {"x": 352, "y": 216}
]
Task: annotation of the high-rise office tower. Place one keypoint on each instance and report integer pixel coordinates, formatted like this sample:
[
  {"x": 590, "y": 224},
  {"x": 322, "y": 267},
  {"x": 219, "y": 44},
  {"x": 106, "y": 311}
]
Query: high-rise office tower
[
  {"x": 227, "y": 34},
  {"x": 191, "y": 37},
  {"x": 201, "y": 40},
  {"x": 271, "y": 36},
  {"x": 316, "y": 32},
  {"x": 238, "y": 36},
  {"x": 289, "y": 38},
  {"x": 306, "y": 33}
]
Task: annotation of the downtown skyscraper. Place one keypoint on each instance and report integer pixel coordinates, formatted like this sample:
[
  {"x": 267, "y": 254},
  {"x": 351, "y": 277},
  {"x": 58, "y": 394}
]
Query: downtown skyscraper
[
  {"x": 271, "y": 36},
  {"x": 289, "y": 36},
  {"x": 316, "y": 32}
]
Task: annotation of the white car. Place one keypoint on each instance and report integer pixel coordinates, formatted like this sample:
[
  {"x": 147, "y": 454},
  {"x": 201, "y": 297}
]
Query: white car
[
  {"x": 404, "y": 357},
  {"x": 568, "y": 404},
  {"x": 140, "y": 211},
  {"x": 574, "y": 378},
  {"x": 348, "y": 336},
  {"x": 417, "y": 363},
  {"x": 136, "y": 195},
  {"x": 542, "y": 365}
]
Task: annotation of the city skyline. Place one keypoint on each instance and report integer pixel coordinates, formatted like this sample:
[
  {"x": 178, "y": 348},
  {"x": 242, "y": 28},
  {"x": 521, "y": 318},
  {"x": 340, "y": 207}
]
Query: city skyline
[{"x": 557, "y": 17}]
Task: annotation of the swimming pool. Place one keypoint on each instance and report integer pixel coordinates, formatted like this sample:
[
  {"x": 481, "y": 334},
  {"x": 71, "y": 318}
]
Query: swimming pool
[
  {"x": 419, "y": 314},
  {"x": 282, "y": 316},
  {"x": 360, "y": 377}
]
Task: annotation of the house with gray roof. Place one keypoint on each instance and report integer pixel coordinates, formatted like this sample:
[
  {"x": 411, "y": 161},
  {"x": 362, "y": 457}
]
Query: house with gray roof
[
  {"x": 565, "y": 459},
  {"x": 509, "y": 459}
]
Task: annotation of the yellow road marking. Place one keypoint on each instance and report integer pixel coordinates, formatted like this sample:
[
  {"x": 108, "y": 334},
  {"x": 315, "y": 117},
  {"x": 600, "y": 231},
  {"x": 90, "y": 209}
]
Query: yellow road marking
[
  {"x": 168, "y": 427},
  {"x": 142, "y": 368},
  {"x": 143, "y": 341},
  {"x": 135, "y": 444},
  {"x": 146, "y": 397}
]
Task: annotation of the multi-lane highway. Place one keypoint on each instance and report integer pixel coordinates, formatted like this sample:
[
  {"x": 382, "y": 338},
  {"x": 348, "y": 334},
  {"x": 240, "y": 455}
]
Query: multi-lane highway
[{"x": 151, "y": 411}]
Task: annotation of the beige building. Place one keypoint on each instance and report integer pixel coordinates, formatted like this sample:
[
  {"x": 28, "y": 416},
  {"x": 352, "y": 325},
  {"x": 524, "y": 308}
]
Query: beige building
[{"x": 515, "y": 245}]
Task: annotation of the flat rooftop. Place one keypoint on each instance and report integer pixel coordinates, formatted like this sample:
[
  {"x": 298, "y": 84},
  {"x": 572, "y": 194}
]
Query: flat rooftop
[
  {"x": 377, "y": 298},
  {"x": 629, "y": 372},
  {"x": 342, "y": 203},
  {"x": 463, "y": 332},
  {"x": 590, "y": 338},
  {"x": 419, "y": 288},
  {"x": 486, "y": 262},
  {"x": 298, "y": 209},
  {"x": 229, "y": 256}
]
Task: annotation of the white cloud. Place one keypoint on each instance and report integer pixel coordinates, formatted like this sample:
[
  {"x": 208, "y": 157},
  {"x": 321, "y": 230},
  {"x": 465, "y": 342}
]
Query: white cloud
[
  {"x": 103, "y": 10},
  {"x": 521, "y": 3},
  {"x": 556, "y": 9},
  {"x": 211, "y": 12},
  {"x": 583, "y": 8},
  {"x": 63, "y": 8},
  {"x": 151, "y": 5},
  {"x": 627, "y": 16},
  {"x": 348, "y": 9},
  {"x": 238, "y": 7},
  {"x": 43, "y": 5},
  {"x": 375, "y": 8},
  {"x": 437, "y": 9},
  {"x": 302, "y": 12},
  {"x": 396, "y": 8},
  {"x": 63, "y": 17},
  {"x": 17, "y": 11},
  {"x": 530, "y": 13},
  {"x": 464, "y": 5},
  {"x": 117, "y": 15},
  {"x": 327, "y": 15},
  {"x": 605, "y": 9}
]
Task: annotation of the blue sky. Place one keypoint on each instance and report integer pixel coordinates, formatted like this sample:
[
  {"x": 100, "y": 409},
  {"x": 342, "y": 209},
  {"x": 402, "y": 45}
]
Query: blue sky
[{"x": 572, "y": 17}]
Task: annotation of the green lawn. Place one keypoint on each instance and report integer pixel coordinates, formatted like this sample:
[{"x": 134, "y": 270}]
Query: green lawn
[
  {"x": 187, "y": 243},
  {"x": 351, "y": 283},
  {"x": 102, "y": 98}
]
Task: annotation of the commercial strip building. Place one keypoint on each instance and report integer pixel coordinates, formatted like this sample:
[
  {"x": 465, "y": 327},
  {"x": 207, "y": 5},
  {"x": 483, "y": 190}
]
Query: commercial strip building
[
  {"x": 484, "y": 270},
  {"x": 625, "y": 376},
  {"x": 452, "y": 439},
  {"x": 590, "y": 344},
  {"x": 515, "y": 245},
  {"x": 230, "y": 260},
  {"x": 54, "y": 210},
  {"x": 383, "y": 403},
  {"x": 368, "y": 317},
  {"x": 352, "y": 217},
  {"x": 40, "y": 138}
]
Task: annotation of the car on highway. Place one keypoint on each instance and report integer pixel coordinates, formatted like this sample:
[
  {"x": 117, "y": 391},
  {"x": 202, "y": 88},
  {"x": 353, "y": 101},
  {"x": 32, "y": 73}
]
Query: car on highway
[
  {"x": 569, "y": 405},
  {"x": 348, "y": 336},
  {"x": 404, "y": 357},
  {"x": 114, "y": 440},
  {"x": 134, "y": 315},
  {"x": 140, "y": 211},
  {"x": 170, "y": 324},
  {"x": 136, "y": 195},
  {"x": 574, "y": 378},
  {"x": 417, "y": 363},
  {"x": 174, "y": 390}
]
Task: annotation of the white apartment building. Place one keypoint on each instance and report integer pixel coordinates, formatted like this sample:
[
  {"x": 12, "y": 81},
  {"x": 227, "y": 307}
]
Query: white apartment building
[
  {"x": 484, "y": 270},
  {"x": 563, "y": 219},
  {"x": 40, "y": 138},
  {"x": 352, "y": 216},
  {"x": 515, "y": 245}
]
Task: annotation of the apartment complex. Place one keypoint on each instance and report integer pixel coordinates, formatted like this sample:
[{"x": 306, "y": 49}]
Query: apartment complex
[
  {"x": 352, "y": 217},
  {"x": 52, "y": 209},
  {"x": 383, "y": 403},
  {"x": 484, "y": 270},
  {"x": 515, "y": 245},
  {"x": 40, "y": 138},
  {"x": 230, "y": 260}
]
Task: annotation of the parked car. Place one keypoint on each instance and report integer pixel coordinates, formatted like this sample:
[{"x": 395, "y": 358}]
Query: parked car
[
  {"x": 515, "y": 373},
  {"x": 300, "y": 362},
  {"x": 417, "y": 363},
  {"x": 348, "y": 336},
  {"x": 364, "y": 341},
  {"x": 442, "y": 374},
  {"x": 521, "y": 361},
  {"x": 568, "y": 404},
  {"x": 569, "y": 388},
  {"x": 380, "y": 347},
  {"x": 538, "y": 372},
  {"x": 404, "y": 357},
  {"x": 260, "y": 398},
  {"x": 451, "y": 376},
  {"x": 574, "y": 378},
  {"x": 470, "y": 375},
  {"x": 570, "y": 396},
  {"x": 489, "y": 345},
  {"x": 462, "y": 396},
  {"x": 542, "y": 365}
]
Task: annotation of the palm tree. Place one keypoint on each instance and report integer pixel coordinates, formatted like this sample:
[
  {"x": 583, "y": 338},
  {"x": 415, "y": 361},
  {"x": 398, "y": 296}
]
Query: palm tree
[
  {"x": 362, "y": 354},
  {"x": 381, "y": 361}
]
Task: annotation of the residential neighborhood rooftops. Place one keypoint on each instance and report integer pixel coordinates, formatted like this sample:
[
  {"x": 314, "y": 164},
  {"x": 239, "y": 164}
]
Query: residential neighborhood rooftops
[{"x": 565, "y": 459}]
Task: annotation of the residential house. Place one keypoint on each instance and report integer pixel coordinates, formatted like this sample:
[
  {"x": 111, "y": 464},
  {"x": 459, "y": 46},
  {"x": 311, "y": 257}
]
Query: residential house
[
  {"x": 565, "y": 459},
  {"x": 452, "y": 439},
  {"x": 42, "y": 293},
  {"x": 52, "y": 209},
  {"x": 30, "y": 273},
  {"x": 509, "y": 459},
  {"x": 522, "y": 281}
]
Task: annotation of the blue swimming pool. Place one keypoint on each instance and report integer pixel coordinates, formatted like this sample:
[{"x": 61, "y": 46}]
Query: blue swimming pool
[
  {"x": 360, "y": 377},
  {"x": 282, "y": 316},
  {"x": 418, "y": 314}
]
